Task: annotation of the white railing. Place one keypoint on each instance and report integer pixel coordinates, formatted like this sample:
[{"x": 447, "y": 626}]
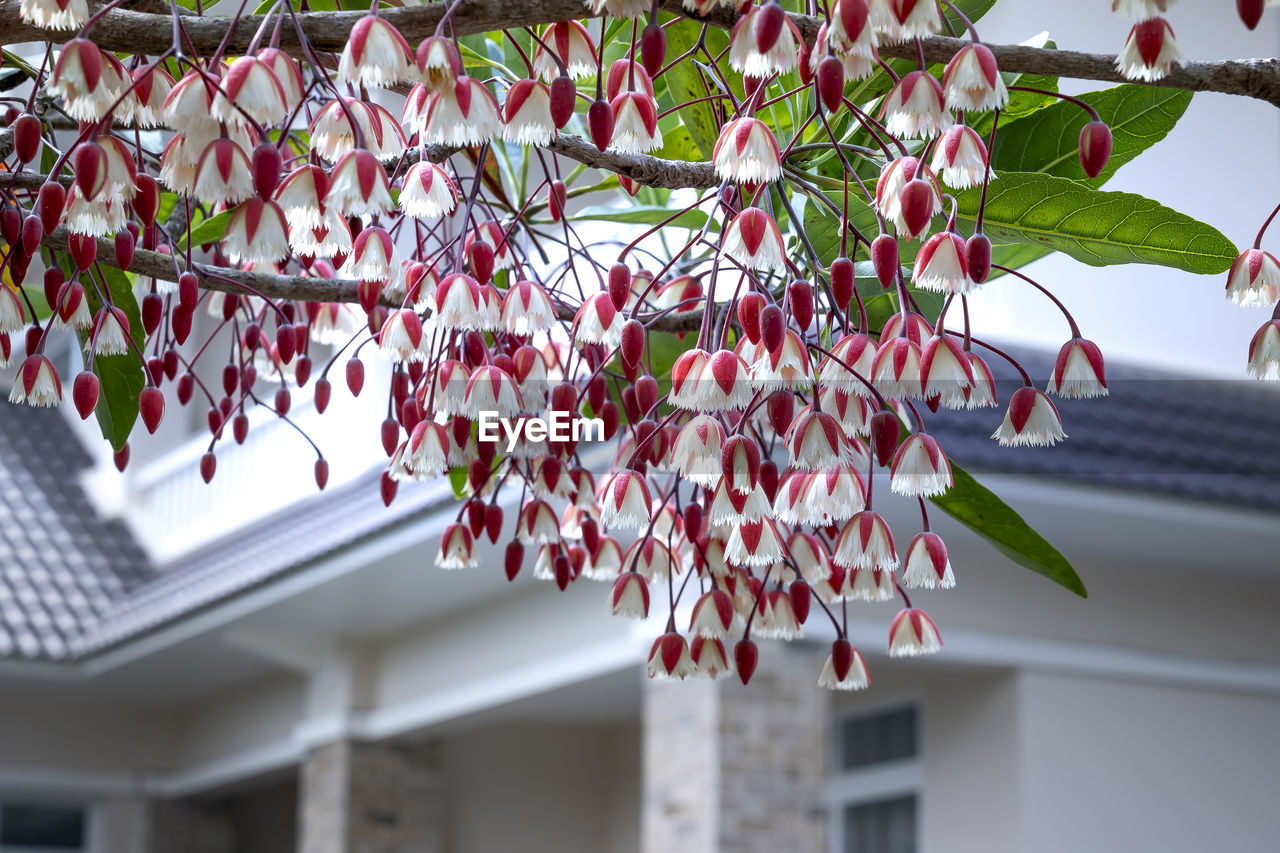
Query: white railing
[{"x": 174, "y": 511}]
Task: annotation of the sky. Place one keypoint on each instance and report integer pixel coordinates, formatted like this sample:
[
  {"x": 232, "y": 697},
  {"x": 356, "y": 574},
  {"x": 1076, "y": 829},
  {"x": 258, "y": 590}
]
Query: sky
[{"x": 1220, "y": 164}]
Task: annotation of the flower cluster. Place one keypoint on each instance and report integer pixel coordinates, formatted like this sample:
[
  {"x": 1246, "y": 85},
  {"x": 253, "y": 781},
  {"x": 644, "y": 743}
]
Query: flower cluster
[{"x": 413, "y": 201}]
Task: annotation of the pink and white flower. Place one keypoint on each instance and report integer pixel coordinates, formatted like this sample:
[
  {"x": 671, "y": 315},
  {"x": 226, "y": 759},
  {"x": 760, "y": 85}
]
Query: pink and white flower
[
  {"x": 527, "y": 114},
  {"x": 635, "y": 123},
  {"x": 866, "y": 542},
  {"x": 960, "y": 158},
  {"x": 1264, "y": 351},
  {"x": 844, "y": 668},
  {"x": 1031, "y": 420},
  {"x": 1079, "y": 371},
  {"x": 625, "y": 501},
  {"x": 946, "y": 371},
  {"x": 37, "y": 383},
  {"x": 916, "y": 107},
  {"x": 920, "y": 468},
  {"x": 457, "y": 548},
  {"x": 54, "y": 14},
  {"x": 669, "y": 658},
  {"x": 257, "y": 232},
  {"x": 629, "y": 596},
  {"x": 927, "y": 565},
  {"x": 428, "y": 192},
  {"x": 249, "y": 88},
  {"x": 754, "y": 241},
  {"x": 1150, "y": 52},
  {"x": 896, "y": 370},
  {"x": 401, "y": 336},
  {"x": 745, "y": 56},
  {"x": 598, "y": 322},
  {"x": 747, "y": 152},
  {"x": 465, "y": 115},
  {"x": 900, "y": 20},
  {"x": 972, "y": 81},
  {"x": 110, "y": 333},
  {"x": 372, "y": 257},
  {"x": 572, "y": 45},
  {"x": 1254, "y": 279},
  {"x": 913, "y": 633},
  {"x": 88, "y": 80},
  {"x": 941, "y": 264},
  {"x": 375, "y": 55},
  {"x": 527, "y": 309},
  {"x": 224, "y": 174},
  {"x": 358, "y": 186}
]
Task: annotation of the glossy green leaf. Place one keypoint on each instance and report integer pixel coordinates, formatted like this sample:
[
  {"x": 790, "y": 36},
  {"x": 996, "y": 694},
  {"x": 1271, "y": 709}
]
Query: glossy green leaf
[
  {"x": 642, "y": 214},
  {"x": 982, "y": 511},
  {"x": 210, "y": 230},
  {"x": 120, "y": 377},
  {"x": 685, "y": 83},
  {"x": 1098, "y": 228},
  {"x": 1048, "y": 140}
]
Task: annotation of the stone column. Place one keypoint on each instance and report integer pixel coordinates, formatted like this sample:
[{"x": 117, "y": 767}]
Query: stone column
[
  {"x": 733, "y": 769},
  {"x": 370, "y": 798}
]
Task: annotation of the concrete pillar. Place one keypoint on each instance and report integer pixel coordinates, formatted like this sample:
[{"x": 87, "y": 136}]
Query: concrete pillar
[
  {"x": 370, "y": 798},
  {"x": 733, "y": 769}
]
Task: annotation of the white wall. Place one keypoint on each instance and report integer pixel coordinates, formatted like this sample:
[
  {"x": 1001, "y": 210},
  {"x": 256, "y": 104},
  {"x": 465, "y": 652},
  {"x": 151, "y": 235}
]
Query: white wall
[
  {"x": 543, "y": 787},
  {"x": 1127, "y": 767}
]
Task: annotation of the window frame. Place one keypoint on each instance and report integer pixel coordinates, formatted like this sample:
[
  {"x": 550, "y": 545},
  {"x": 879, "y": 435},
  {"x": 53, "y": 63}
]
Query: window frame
[
  {"x": 875, "y": 782},
  {"x": 86, "y": 841}
]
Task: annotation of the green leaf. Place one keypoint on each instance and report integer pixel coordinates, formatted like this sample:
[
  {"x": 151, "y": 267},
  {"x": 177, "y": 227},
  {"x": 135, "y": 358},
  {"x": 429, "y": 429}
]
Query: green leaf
[
  {"x": 684, "y": 81},
  {"x": 978, "y": 508},
  {"x": 1048, "y": 140},
  {"x": 642, "y": 214},
  {"x": 1098, "y": 228},
  {"x": 210, "y": 230},
  {"x": 458, "y": 479},
  {"x": 120, "y": 377}
]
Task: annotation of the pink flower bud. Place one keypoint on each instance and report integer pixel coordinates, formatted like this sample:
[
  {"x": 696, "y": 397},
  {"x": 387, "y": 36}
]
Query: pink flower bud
[
  {"x": 600, "y": 123},
  {"x": 124, "y": 249},
  {"x": 84, "y": 393},
  {"x": 653, "y": 48},
  {"x": 563, "y": 95},
  {"x": 1250, "y": 11},
  {"x": 151, "y": 408},
  {"x": 842, "y": 281},
  {"x": 918, "y": 202},
  {"x": 1095, "y": 147},
  {"x": 768, "y": 25},
  {"x": 355, "y": 376},
  {"x": 322, "y": 474},
  {"x": 978, "y": 257},
  {"x": 886, "y": 429},
  {"x": 84, "y": 249},
  {"x": 746, "y": 654},
  {"x": 749, "y": 309},
  {"x": 49, "y": 204},
  {"x": 800, "y": 298},
  {"x": 90, "y": 163},
  {"x": 26, "y": 137},
  {"x": 208, "y": 464},
  {"x": 33, "y": 233},
  {"x": 266, "y": 168},
  {"x": 831, "y": 83},
  {"x": 884, "y": 257},
  {"x": 773, "y": 328}
]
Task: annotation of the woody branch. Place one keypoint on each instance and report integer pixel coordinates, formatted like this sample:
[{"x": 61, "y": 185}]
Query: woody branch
[{"x": 142, "y": 32}]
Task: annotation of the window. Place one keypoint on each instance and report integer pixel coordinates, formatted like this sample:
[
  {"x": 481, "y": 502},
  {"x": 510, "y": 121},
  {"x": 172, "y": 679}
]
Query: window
[
  {"x": 34, "y": 828},
  {"x": 874, "y": 795}
]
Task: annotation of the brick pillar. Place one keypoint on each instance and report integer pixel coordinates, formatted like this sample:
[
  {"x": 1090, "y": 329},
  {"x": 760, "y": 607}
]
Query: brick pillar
[
  {"x": 370, "y": 798},
  {"x": 733, "y": 769}
]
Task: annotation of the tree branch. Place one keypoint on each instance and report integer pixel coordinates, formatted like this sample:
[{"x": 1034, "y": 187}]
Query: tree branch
[
  {"x": 140, "y": 32},
  {"x": 291, "y": 287}
]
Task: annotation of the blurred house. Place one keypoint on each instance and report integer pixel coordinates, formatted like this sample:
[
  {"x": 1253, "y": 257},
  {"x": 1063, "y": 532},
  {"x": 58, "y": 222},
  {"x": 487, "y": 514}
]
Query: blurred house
[{"x": 238, "y": 669}]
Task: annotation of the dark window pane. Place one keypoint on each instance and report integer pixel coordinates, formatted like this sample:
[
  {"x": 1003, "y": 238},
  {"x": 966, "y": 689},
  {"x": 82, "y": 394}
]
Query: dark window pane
[
  {"x": 40, "y": 826},
  {"x": 877, "y": 739},
  {"x": 887, "y": 826}
]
